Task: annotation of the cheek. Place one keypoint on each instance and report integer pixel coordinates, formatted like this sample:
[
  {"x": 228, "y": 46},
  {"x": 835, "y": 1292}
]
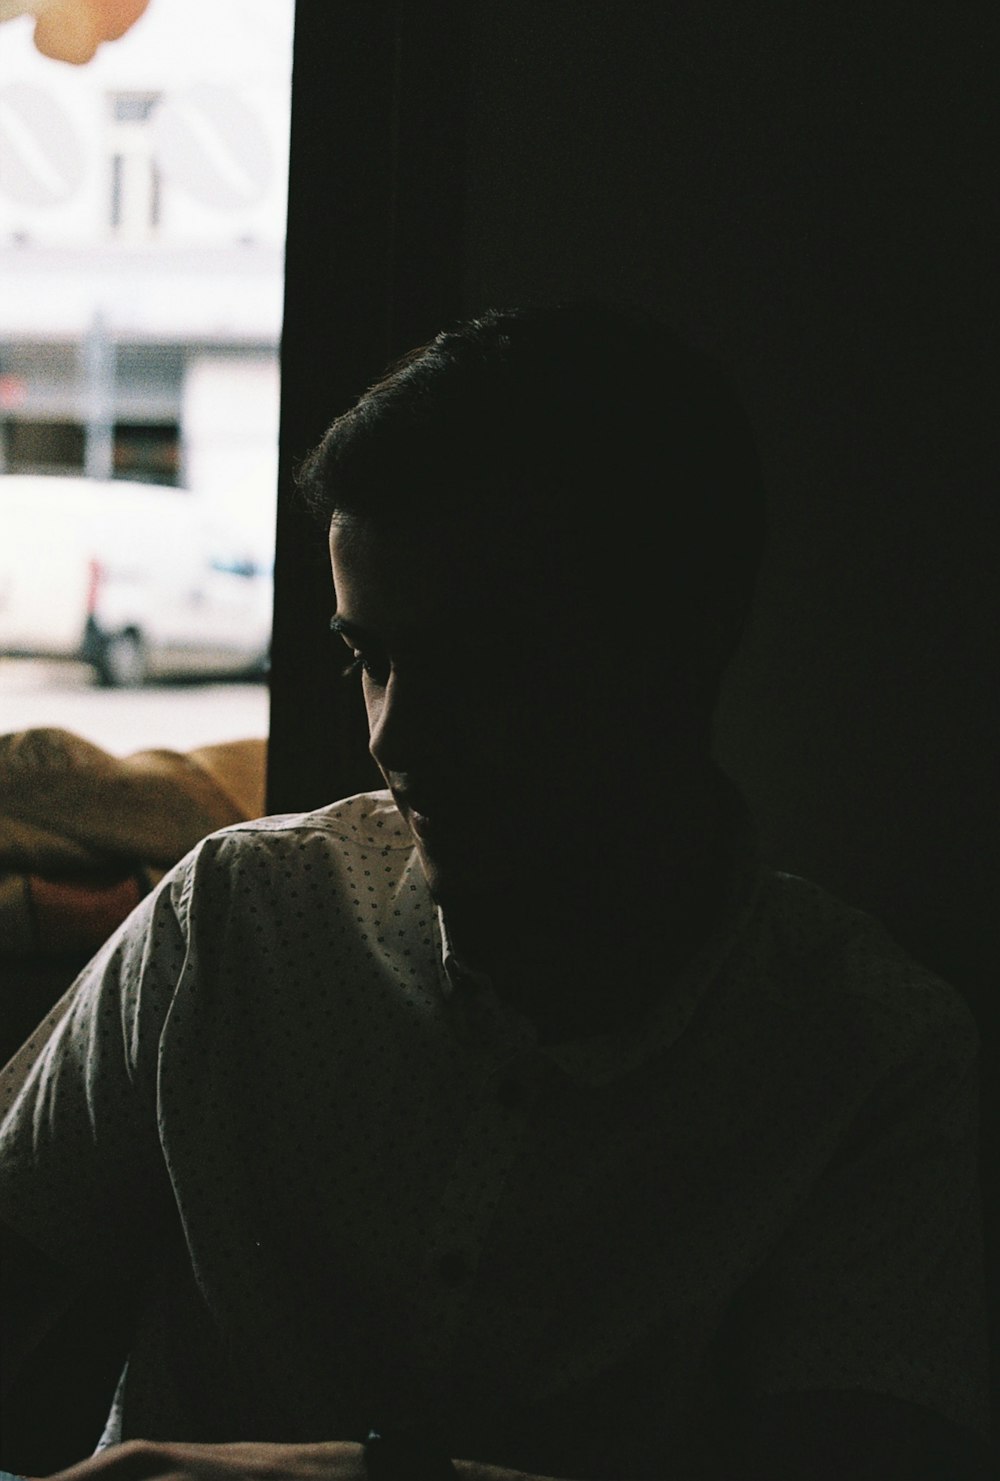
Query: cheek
[
  {"x": 508, "y": 718},
  {"x": 372, "y": 700},
  {"x": 534, "y": 749}
]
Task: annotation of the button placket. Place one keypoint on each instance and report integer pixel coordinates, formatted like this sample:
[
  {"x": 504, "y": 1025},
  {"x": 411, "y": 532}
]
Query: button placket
[
  {"x": 488, "y": 1151},
  {"x": 517, "y": 1080}
]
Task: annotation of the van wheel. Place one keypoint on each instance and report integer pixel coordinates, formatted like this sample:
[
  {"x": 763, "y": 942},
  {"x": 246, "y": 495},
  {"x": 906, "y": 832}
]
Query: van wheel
[{"x": 122, "y": 664}]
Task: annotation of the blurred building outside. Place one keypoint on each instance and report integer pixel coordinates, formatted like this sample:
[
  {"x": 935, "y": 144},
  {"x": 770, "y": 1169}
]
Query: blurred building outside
[{"x": 142, "y": 224}]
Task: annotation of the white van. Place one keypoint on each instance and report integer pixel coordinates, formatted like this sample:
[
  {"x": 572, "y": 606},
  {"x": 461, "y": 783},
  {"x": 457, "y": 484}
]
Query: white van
[{"x": 137, "y": 579}]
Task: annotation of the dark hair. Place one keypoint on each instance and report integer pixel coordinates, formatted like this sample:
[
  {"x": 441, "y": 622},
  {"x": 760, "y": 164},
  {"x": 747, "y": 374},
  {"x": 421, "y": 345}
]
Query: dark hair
[{"x": 584, "y": 417}]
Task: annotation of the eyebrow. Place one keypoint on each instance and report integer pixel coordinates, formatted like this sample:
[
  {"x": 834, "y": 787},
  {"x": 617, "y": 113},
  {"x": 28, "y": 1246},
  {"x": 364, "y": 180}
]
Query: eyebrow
[
  {"x": 345, "y": 629},
  {"x": 360, "y": 636}
]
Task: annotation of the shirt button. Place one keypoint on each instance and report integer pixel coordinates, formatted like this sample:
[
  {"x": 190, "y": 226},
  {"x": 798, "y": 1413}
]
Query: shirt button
[
  {"x": 453, "y": 1268},
  {"x": 510, "y": 1092}
]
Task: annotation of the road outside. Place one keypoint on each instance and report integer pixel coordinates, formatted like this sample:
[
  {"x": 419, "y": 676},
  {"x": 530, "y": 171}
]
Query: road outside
[{"x": 178, "y": 716}]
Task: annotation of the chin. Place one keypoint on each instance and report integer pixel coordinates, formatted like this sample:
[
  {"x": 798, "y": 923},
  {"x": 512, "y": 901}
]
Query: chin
[
  {"x": 458, "y": 886},
  {"x": 441, "y": 874},
  {"x": 448, "y": 886}
]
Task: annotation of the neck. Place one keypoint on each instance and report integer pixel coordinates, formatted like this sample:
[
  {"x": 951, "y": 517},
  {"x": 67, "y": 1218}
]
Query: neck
[{"x": 591, "y": 945}]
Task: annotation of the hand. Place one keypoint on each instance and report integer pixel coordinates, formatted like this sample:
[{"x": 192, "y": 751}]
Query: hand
[{"x": 147, "y": 1460}]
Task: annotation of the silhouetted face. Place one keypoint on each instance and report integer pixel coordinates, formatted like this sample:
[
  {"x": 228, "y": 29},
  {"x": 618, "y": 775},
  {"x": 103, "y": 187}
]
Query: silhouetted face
[{"x": 512, "y": 726}]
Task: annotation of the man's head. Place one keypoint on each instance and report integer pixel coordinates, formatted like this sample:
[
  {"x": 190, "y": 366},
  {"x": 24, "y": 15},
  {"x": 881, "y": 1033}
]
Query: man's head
[{"x": 545, "y": 529}]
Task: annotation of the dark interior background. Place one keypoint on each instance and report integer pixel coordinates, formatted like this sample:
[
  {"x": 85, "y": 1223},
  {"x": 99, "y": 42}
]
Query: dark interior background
[{"x": 811, "y": 190}]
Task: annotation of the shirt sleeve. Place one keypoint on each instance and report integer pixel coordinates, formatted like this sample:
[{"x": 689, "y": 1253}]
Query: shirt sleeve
[
  {"x": 81, "y": 1170},
  {"x": 879, "y": 1283}
]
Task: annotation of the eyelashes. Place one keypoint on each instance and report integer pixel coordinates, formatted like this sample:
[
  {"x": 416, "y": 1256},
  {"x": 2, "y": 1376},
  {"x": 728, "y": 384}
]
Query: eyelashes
[{"x": 359, "y": 664}]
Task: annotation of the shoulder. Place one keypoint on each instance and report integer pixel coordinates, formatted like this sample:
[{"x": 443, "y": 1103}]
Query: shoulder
[
  {"x": 867, "y": 1113},
  {"x": 827, "y": 1031},
  {"x": 279, "y": 907},
  {"x": 277, "y": 852},
  {"x": 367, "y": 820},
  {"x": 836, "y": 972}
]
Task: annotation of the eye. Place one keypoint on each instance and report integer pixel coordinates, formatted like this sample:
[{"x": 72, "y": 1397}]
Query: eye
[
  {"x": 375, "y": 670},
  {"x": 359, "y": 664}
]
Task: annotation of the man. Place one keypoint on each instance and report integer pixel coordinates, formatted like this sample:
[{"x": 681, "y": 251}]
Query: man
[{"x": 519, "y": 1104}]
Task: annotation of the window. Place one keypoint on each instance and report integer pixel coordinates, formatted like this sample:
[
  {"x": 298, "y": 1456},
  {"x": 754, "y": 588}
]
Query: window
[
  {"x": 147, "y": 452},
  {"x": 44, "y": 447},
  {"x": 142, "y": 233}
]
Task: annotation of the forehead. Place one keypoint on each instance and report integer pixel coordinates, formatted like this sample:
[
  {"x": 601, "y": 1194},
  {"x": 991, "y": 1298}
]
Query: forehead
[{"x": 470, "y": 571}]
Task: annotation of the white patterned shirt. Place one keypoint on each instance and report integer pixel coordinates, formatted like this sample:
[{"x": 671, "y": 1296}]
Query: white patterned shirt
[{"x": 360, "y": 1190}]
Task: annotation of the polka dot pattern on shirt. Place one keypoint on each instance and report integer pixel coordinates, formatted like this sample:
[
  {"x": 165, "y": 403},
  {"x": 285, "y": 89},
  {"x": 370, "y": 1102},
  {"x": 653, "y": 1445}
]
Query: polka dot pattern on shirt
[{"x": 369, "y": 1193}]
